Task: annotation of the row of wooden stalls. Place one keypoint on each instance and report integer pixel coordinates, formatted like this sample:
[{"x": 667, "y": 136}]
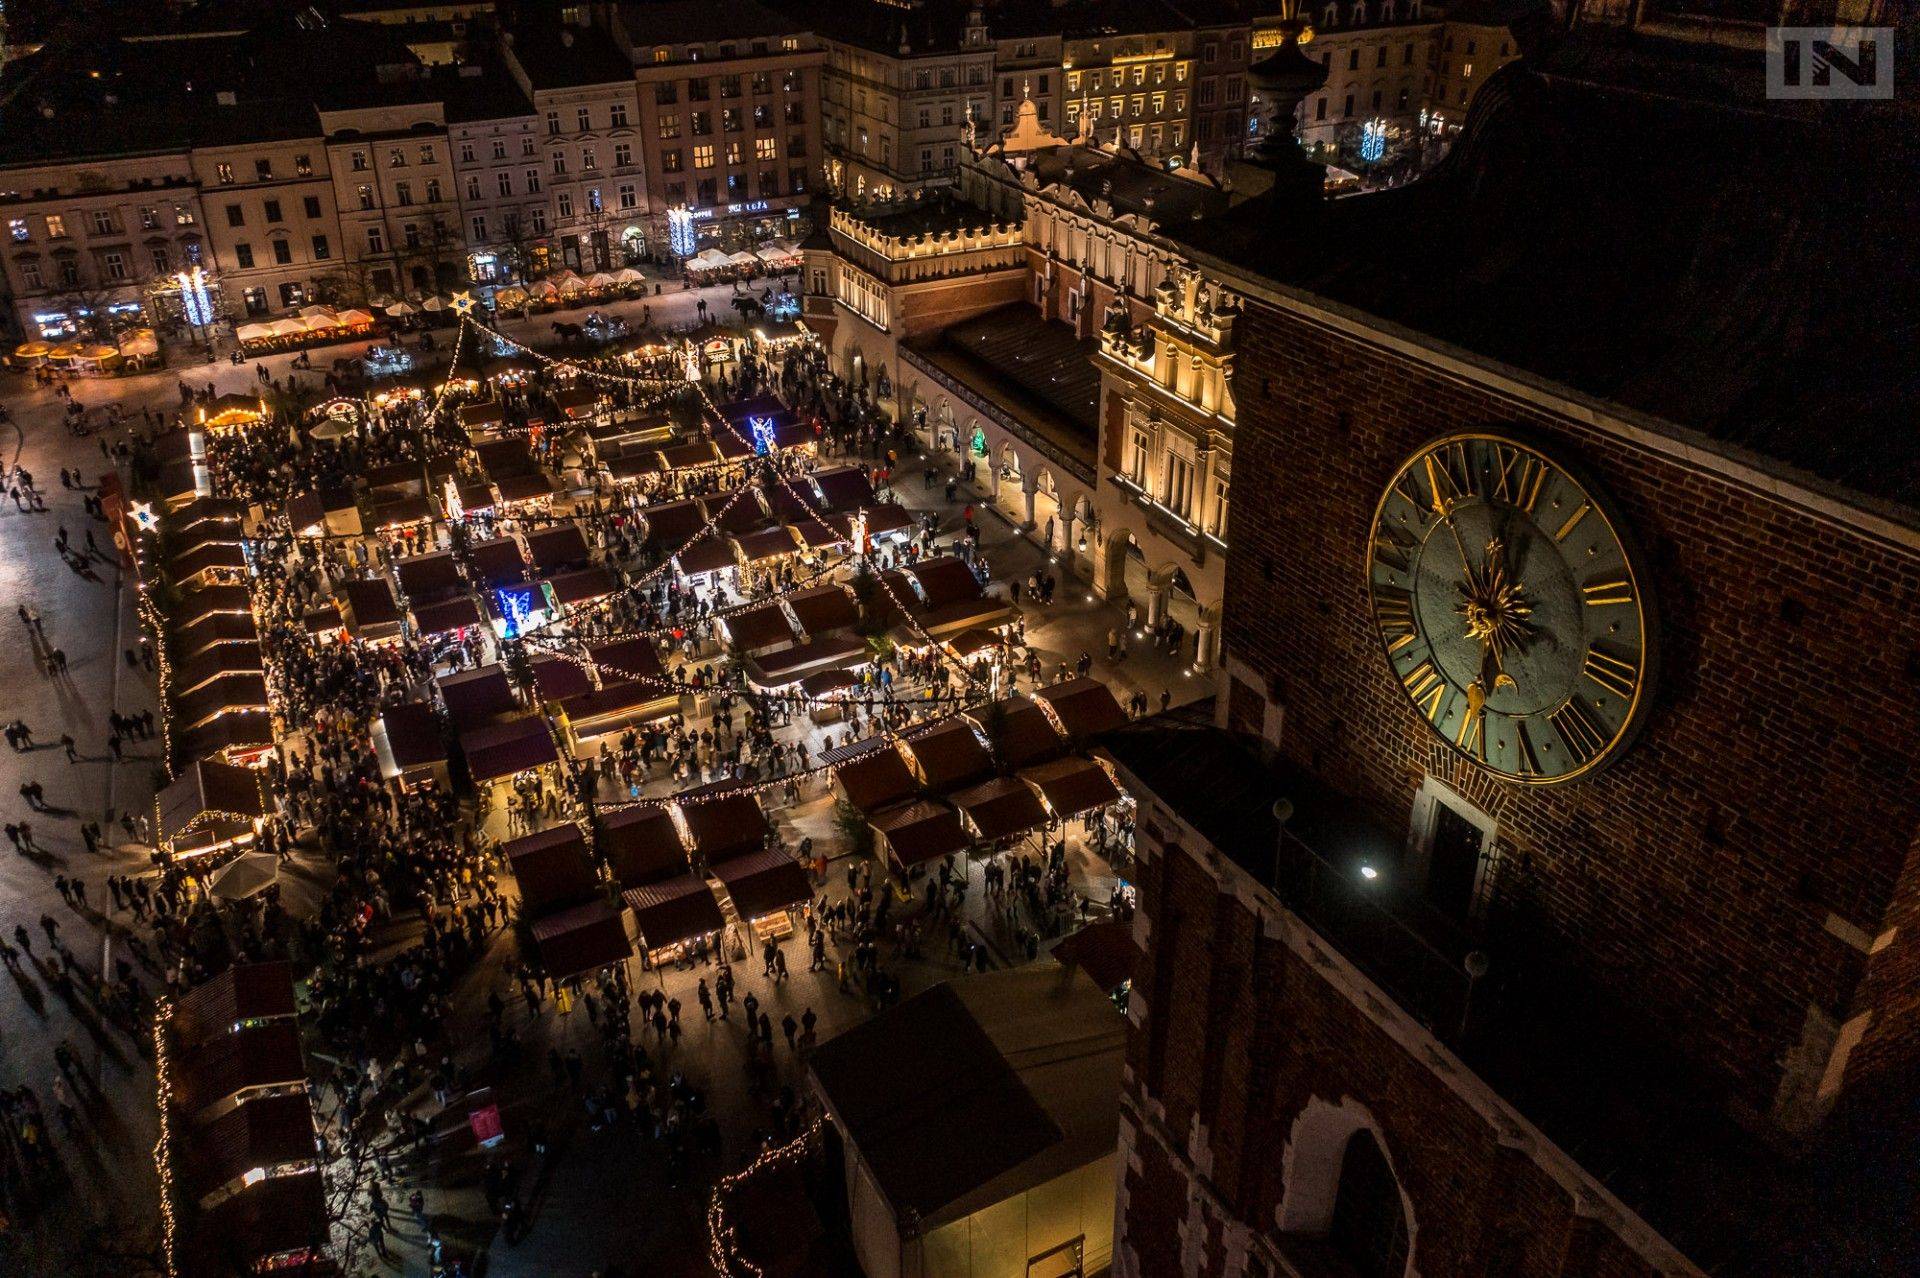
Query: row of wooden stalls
[
  {"x": 815, "y": 639},
  {"x": 245, "y": 1152},
  {"x": 219, "y": 720},
  {"x": 984, "y": 779},
  {"x": 657, "y": 877}
]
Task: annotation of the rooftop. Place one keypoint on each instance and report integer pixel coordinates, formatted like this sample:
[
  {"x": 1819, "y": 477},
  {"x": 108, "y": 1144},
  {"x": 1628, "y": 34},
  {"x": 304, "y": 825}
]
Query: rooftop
[
  {"x": 1037, "y": 370},
  {"x": 1589, "y": 1073},
  {"x": 1764, "y": 300},
  {"x": 1125, "y": 181},
  {"x": 663, "y": 22},
  {"x": 1014, "y": 1076},
  {"x": 564, "y": 57}
]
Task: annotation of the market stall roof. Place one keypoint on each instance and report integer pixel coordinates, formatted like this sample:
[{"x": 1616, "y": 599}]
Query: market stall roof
[
  {"x": 618, "y": 697},
  {"x": 280, "y": 1214},
  {"x": 1001, "y": 808},
  {"x": 634, "y": 658},
  {"x": 518, "y": 488},
  {"x": 400, "y": 474},
  {"x": 760, "y": 405},
  {"x": 921, "y": 831},
  {"x": 1105, "y": 951},
  {"x": 307, "y": 514},
  {"x": 730, "y": 446},
  {"x": 408, "y": 508},
  {"x": 1018, "y": 732},
  {"x": 478, "y": 696},
  {"x": 502, "y": 749},
  {"x": 1081, "y": 707},
  {"x": 833, "y": 651},
  {"x": 204, "y": 532},
  {"x": 824, "y": 608},
  {"x": 642, "y": 845},
  {"x": 697, "y": 452},
  {"x": 582, "y": 585},
  {"x": 875, "y": 779},
  {"x": 211, "y": 599},
  {"x": 962, "y": 615},
  {"x": 208, "y": 789},
  {"x": 205, "y": 557},
  {"x": 486, "y": 413},
  {"x": 828, "y": 682},
  {"x": 323, "y": 620},
  {"x": 758, "y": 629},
  {"x": 741, "y": 516},
  {"x": 414, "y": 735},
  {"x": 240, "y": 993},
  {"x": 817, "y": 536},
  {"x": 448, "y": 614},
  {"x": 881, "y": 606},
  {"x": 949, "y": 755},
  {"x": 670, "y": 524},
  {"x": 257, "y": 1056},
  {"x": 500, "y": 457},
  {"x": 883, "y": 519},
  {"x": 710, "y": 554},
  {"x": 789, "y": 508},
  {"x": 674, "y": 910},
  {"x": 426, "y": 578},
  {"x": 762, "y": 883},
  {"x": 635, "y": 464},
  {"x": 556, "y": 678},
  {"x": 945, "y": 580},
  {"x": 236, "y": 656},
  {"x": 229, "y": 694},
  {"x": 551, "y": 868},
  {"x": 498, "y": 562},
  {"x": 370, "y": 602},
  {"x": 197, "y": 512},
  {"x": 267, "y": 1131},
  {"x": 581, "y": 939},
  {"x": 723, "y": 823},
  {"x": 794, "y": 435},
  {"x": 771, "y": 544},
  {"x": 970, "y": 643},
  {"x": 558, "y": 547},
  {"x": 579, "y": 401},
  {"x": 1072, "y": 785},
  {"x": 844, "y": 487},
  {"x": 241, "y": 731}
]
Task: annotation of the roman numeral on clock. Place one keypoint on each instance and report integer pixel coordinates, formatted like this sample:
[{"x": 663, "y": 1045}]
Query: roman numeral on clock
[
  {"x": 1427, "y": 689},
  {"x": 1599, "y": 594},
  {"x": 1521, "y": 477},
  {"x": 1393, "y": 610},
  {"x": 1580, "y": 730},
  {"x": 1612, "y": 673},
  {"x": 1529, "y": 761}
]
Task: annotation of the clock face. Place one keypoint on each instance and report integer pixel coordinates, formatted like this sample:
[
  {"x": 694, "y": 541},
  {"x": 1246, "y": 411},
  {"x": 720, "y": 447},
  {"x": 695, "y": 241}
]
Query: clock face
[{"x": 1512, "y": 613}]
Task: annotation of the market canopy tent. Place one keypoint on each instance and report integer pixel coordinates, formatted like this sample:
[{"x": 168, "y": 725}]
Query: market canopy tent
[
  {"x": 918, "y": 832},
  {"x": 502, "y": 749},
  {"x": 875, "y": 779},
  {"x": 641, "y": 845},
  {"x": 477, "y": 697},
  {"x": 756, "y": 630},
  {"x": 673, "y": 910},
  {"x": 210, "y": 803},
  {"x": 551, "y": 868},
  {"x": 823, "y": 608},
  {"x": 1001, "y": 808},
  {"x": 723, "y": 824},
  {"x": 1018, "y": 732},
  {"x": 558, "y": 547},
  {"x": 583, "y": 938},
  {"x": 949, "y": 756},
  {"x": 1081, "y": 707},
  {"x": 1072, "y": 785},
  {"x": 763, "y": 883}
]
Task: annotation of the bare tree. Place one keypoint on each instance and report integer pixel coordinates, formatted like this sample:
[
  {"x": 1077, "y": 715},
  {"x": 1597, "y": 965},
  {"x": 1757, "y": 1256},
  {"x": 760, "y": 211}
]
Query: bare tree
[{"x": 87, "y": 304}]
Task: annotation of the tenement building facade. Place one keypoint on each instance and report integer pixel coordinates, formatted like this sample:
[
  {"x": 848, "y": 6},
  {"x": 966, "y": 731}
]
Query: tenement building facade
[{"x": 1540, "y": 899}]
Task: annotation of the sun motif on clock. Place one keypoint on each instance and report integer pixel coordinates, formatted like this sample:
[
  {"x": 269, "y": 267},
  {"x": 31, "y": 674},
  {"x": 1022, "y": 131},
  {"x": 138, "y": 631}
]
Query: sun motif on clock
[{"x": 1513, "y": 612}]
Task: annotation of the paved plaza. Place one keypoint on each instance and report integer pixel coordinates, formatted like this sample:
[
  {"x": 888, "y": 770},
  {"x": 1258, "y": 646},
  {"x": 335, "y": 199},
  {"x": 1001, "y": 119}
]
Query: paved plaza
[{"x": 594, "y": 1200}]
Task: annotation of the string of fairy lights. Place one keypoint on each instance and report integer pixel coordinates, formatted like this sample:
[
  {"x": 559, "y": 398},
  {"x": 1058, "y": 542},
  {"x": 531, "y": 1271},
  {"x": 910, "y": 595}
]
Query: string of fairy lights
[
  {"x": 163, "y": 1146},
  {"x": 723, "y": 1240}
]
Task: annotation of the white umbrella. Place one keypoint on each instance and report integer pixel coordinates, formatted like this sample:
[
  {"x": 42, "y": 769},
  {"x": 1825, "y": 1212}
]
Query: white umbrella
[
  {"x": 744, "y": 259},
  {"x": 402, "y": 308},
  {"x": 333, "y": 428},
  {"x": 254, "y": 332},
  {"x": 319, "y": 316},
  {"x": 354, "y": 318},
  {"x": 435, "y": 303},
  {"x": 545, "y": 288},
  {"x": 246, "y": 874},
  {"x": 600, "y": 280},
  {"x": 288, "y": 327},
  {"x": 627, "y": 275}
]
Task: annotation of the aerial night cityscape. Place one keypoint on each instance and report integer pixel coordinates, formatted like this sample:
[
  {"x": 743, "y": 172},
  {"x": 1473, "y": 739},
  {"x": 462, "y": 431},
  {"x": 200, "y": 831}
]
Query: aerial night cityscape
[{"x": 960, "y": 638}]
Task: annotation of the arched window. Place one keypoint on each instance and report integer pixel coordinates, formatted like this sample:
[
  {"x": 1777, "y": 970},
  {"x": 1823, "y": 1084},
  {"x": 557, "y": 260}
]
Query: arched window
[{"x": 1369, "y": 1227}]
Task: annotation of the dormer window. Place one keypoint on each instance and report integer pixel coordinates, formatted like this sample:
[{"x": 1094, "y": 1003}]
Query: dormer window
[
  {"x": 1331, "y": 17},
  {"x": 1360, "y": 14}
]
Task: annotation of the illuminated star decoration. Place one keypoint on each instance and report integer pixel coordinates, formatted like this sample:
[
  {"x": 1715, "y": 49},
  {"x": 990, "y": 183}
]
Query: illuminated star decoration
[
  {"x": 142, "y": 512},
  {"x": 462, "y": 303}
]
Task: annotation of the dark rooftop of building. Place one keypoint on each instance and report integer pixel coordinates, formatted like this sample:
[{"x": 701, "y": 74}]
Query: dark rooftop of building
[
  {"x": 1597, "y": 1080},
  {"x": 1743, "y": 274},
  {"x": 563, "y": 57},
  {"x": 665, "y": 22},
  {"x": 1080, "y": 19},
  {"x": 1126, "y": 182},
  {"x": 1038, "y": 370},
  {"x": 939, "y": 214},
  {"x": 929, "y": 27}
]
